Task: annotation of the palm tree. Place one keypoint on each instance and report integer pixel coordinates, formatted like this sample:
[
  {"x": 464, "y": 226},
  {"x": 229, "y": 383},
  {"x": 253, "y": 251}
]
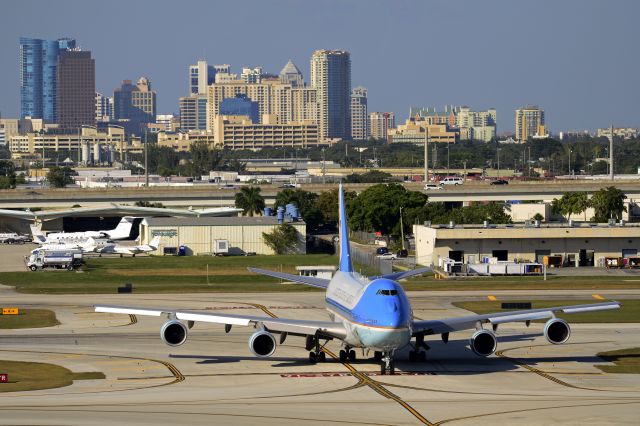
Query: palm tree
[{"x": 250, "y": 200}]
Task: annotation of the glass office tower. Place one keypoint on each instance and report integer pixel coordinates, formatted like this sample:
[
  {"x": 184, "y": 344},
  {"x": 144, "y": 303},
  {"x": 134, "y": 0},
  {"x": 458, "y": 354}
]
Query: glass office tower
[{"x": 38, "y": 84}]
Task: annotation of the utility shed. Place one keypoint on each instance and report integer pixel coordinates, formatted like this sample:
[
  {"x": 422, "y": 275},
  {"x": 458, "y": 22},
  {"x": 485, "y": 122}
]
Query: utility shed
[{"x": 199, "y": 235}]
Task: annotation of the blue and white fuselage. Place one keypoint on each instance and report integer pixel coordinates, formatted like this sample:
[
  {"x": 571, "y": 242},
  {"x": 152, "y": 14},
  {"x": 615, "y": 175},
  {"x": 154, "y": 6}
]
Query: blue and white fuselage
[{"x": 375, "y": 314}]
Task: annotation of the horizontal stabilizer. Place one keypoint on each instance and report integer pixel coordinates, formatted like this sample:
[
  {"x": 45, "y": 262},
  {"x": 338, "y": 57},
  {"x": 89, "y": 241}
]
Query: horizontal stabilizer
[
  {"x": 404, "y": 274},
  {"x": 312, "y": 281}
]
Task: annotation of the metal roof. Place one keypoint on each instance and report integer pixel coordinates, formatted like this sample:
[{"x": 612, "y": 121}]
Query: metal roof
[{"x": 215, "y": 221}]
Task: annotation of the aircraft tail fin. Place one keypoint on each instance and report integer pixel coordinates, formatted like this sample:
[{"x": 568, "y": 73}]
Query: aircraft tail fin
[
  {"x": 345, "y": 251},
  {"x": 123, "y": 230},
  {"x": 155, "y": 242},
  {"x": 37, "y": 235}
]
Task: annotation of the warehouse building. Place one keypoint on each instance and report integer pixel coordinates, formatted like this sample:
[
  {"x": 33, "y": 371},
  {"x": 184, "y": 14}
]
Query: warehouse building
[
  {"x": 205, "y": 235},
  {"x": 580, "y": 245}
]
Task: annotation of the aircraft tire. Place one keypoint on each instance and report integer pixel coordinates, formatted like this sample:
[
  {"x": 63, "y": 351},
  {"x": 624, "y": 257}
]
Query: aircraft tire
[
  {"x": 413, "y": 356},
  {"x": 422, "y": 356},
  {"x": 352, "y": 355},
  {"x": 322, "y": 357},
  {"x": 312, "y": 358},
  {"x": 343, "y": 355}
]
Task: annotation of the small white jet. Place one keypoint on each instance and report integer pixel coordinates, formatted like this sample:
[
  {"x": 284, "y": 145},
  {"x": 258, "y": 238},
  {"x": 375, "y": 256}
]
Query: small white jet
[
  {"x": 120, "y": 232},
  {"x": 372, "y": 313},
  {"x": 112, "y": 248},
  {"x": 87, "y": 246}
]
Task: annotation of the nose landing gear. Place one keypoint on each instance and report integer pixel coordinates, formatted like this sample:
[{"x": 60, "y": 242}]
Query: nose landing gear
[{"x": 388, "y": 365}]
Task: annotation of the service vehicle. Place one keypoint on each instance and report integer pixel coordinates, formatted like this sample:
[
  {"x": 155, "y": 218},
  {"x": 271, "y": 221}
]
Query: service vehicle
[
  {"x": 452, "y": 180},
  {"x": 56, "y": 259},
  {"x": 431, "y": 186}
]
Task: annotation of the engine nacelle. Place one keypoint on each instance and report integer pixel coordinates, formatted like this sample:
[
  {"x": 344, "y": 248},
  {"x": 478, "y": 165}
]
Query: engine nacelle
[
  {"x": 557, "y": 331},
  {"x": 483, "y": 343},
  {"x": 262, "y": 344},
  {"x": 173, "y": 333}
]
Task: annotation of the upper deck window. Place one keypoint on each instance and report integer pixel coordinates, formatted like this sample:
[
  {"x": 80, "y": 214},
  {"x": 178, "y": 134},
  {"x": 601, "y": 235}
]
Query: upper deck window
[{"x": 387, "y": 292}]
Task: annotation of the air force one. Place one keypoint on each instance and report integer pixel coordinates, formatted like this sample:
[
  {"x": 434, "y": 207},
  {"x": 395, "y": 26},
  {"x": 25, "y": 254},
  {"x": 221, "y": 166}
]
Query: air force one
[{"x": 373, "y": 313}]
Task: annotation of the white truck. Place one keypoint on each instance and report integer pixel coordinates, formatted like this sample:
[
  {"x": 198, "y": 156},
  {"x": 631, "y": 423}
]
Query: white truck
[{"x": 57, "y": 259}]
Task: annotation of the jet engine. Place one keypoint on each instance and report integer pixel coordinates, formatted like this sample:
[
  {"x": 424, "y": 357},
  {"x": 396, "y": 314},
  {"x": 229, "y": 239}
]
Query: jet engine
[
  {"x": 483, "y": 343},
  {"x": 173, "y": 333},
  {"x": 557, "y": 331},
  {"x": 262, "y": 344}
]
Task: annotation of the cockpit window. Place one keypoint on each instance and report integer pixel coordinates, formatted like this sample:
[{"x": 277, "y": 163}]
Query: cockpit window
[{"x": 387, "y": 292}]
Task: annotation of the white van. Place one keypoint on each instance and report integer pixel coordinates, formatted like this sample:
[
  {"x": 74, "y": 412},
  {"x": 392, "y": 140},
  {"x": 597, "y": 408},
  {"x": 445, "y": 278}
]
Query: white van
[
  {"x": 452, "y": 180},
  {"x": 431, "y": 186}
]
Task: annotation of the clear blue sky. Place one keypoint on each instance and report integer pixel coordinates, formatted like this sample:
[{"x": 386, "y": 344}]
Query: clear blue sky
[{"x": 577, "y": 59}]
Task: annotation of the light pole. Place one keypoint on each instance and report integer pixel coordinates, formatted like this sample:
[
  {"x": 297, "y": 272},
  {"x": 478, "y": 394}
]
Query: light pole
[
  {"x": 448, "y": 159},
  {"x": 498, "y": 150},
  {"x": 323, "y": 167},
  {"x": 426, "y": 154},
  {"x": 401, "y": 230},
  {"x": 570, "y": 171}
]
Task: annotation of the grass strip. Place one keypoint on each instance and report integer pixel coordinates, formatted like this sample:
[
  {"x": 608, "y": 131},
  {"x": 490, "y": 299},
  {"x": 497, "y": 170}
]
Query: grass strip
[
  {"x": 29, "y": 318},
  {"x": 26, "y": 376}
]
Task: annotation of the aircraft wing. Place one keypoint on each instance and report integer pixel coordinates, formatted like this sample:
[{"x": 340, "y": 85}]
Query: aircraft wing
[
  {"x": 277, "y": 325},
  {"x": 403, "y": 274},
  {"x": 447, "y": 325},
  {"x": 312, "y": 281}
]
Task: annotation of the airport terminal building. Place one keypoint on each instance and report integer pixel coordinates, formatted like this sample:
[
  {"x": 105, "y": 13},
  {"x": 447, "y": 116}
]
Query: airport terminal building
[
  {"x": 200, "y": 236},
  {"x": 578, "y": 245}
]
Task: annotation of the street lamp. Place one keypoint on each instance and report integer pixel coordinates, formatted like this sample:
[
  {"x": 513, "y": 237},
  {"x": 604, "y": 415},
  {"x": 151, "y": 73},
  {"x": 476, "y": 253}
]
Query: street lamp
[
  {"x": 570, "y": 171},
  {"x": 448, "y": 159},
  {"x": 498, "y": 150}
]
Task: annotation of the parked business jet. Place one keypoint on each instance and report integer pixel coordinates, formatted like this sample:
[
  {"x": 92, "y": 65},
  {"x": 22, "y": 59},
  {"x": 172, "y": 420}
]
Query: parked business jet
[
  {"x": 120, "y": 232},
  {"x": 372, "y": 313},
  {"x": 112, "y": 248}
]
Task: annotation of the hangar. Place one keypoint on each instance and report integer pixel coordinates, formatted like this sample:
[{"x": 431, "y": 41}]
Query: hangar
[
  {"x": 199, "y": 235},
  {"x": 582, "y": 244}
]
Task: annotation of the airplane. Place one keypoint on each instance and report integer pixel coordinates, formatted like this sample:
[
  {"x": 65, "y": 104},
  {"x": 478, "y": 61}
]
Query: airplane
[
  {"x": 112, "y": 248},
  {"x": 120, "y": 232},
  {"x": 372, "y": 313},
  {"x": 86, "y": 246}
]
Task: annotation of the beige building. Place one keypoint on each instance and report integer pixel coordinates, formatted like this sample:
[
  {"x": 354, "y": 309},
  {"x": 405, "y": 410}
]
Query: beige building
[
  {"x": 380, "y": 123},
  {"x": 35, "y": 143},
  {"x": 581, "y": 245},
  {"x": 359, "y": 116},
  {"x": 239, "y": 132},
  {"x": 199, "y": 235},
  {"x": 528, "y": 122},
  {"x": 282, "y": 100},
  {"x": 415, "y": 131}
]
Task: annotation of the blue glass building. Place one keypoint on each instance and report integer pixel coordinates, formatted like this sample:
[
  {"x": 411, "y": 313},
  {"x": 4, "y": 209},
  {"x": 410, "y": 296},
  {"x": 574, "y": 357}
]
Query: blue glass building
[
  {"x": 241, "y": 105},
  {"x": 38, "y": 65}
]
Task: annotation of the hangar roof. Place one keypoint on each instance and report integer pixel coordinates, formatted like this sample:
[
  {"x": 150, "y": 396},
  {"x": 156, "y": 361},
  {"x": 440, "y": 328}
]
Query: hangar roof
[{"x": 214, "y": 221}]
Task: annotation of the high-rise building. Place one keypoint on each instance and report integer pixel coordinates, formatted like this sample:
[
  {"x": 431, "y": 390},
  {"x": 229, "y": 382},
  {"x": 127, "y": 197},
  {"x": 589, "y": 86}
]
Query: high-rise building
[
  {"x": 331, "y": 77},
  {"x": 290, "y": 74},
  {"x": 75, "y": 89},
  {"x": 380, "y": 123},
  {"x": 104, "y": 107},
  {"x": 359, "y": 116},
  {"x": 240, "y": 105},
  {"x": 251, "y": 75},
  {"x": 38, "y": 62},
  {"x": 200, "y": 76},
  {"x": 137, "y": 104},
  {"x": 193, "y": 112},
  {"x": 529, "y": 120}
]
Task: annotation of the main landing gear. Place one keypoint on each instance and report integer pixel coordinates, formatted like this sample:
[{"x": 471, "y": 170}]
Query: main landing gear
[
  {"x": 315, "y": 355},
  {"x": 347, "y": 354}
]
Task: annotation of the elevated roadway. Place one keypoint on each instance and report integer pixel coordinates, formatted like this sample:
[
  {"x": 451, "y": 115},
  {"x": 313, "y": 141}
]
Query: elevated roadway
[{"x": 213, "y": 196}]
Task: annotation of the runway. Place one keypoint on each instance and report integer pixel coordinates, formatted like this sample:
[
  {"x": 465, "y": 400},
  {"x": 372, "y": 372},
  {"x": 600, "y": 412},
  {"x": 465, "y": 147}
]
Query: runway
[{"x": 214, "y": 378}]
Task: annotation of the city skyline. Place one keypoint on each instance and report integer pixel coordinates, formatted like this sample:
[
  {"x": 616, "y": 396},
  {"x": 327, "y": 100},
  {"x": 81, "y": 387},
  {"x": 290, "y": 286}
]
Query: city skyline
[{"x": 578, "y": 64}]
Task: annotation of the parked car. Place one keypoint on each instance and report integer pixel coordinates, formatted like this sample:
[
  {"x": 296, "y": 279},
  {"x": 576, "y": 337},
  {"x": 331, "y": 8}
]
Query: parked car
[
  {"x": 388, "y": 256},
  {"x": 452, "y": 180},
  {"x": 382, "y": 250},
  {"x": 403, "y": 253},
  {"x": 431, "y": 186},
  {"x": 499, "y": 182}
]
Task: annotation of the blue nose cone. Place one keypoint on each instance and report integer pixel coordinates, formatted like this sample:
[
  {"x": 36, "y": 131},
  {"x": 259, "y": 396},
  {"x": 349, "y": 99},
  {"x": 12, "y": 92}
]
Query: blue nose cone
[{"x": 386, "y": 301}]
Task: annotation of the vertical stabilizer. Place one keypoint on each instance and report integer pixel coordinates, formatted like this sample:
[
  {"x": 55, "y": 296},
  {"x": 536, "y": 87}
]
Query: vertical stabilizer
[
  {"x": 37, "y": 236},
  {"x": 123, "y": 230},
  {"x": 345, "y": 251}
]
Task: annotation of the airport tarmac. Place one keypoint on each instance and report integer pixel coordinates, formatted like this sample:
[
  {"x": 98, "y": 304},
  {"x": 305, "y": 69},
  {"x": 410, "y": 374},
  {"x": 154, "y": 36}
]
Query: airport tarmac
[{"x": 214, "y": 379}]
